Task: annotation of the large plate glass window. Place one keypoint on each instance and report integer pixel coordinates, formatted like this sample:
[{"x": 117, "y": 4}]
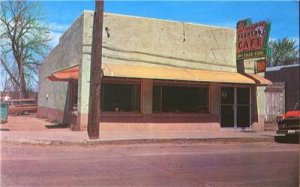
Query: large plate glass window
[
  {"x": 120, "y": 97},
  {"x": 180, "y": 99}
]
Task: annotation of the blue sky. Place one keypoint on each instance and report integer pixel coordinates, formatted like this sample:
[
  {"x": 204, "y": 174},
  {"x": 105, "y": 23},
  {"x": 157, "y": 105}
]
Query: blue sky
[{"x": 283, "y": 15}]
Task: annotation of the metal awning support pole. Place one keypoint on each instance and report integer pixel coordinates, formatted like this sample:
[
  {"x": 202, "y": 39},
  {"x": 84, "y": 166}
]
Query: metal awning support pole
[{"x": 96, "y": 72}]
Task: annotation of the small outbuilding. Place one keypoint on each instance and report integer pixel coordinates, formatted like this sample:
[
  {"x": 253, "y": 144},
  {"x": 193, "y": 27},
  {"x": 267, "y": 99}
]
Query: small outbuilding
[{"x": 283, "y": 95}]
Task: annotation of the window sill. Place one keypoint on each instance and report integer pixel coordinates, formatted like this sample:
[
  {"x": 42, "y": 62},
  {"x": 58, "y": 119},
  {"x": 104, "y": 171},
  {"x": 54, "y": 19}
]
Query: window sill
[
  {"x": 122, "y": 114},
  {"x": 179, "y": 114}
]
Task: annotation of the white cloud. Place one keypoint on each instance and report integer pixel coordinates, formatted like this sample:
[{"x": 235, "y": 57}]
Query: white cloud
[
  {"x": 56, "y": 31},
  {"x": 56, "y": 27},
  {"x": 227, "y": 24},
  {"x": 55, "y": 38}
]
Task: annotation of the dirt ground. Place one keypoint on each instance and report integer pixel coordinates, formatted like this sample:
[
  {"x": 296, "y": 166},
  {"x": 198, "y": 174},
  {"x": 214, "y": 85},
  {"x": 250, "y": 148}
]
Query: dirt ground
[{"x": 25, "y": 123}]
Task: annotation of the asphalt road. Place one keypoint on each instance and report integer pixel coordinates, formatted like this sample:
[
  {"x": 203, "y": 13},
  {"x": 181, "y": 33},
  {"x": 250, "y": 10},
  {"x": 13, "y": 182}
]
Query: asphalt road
[{"x": 247, "y": 164}]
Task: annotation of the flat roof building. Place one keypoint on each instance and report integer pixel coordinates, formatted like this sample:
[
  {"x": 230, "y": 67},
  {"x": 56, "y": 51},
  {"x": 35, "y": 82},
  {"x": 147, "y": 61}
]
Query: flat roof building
[
  {"x": 288, "y": 75},
  {"x": 157, "y": 75}
]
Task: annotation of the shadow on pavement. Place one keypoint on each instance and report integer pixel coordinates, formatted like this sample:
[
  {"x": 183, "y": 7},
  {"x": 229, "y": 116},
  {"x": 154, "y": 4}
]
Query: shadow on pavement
[
  {"x": 3, "y": 129},
  {"x": 57, "y": 126},
  {"x": 290, "y": 138}
]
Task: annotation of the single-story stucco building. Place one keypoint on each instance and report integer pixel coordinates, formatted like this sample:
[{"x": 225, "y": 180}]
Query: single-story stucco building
[{"x": 157, "y": 75}]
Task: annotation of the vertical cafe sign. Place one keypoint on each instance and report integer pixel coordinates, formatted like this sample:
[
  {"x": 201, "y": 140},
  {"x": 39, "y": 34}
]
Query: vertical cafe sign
[{"x": 252, "y": 39}]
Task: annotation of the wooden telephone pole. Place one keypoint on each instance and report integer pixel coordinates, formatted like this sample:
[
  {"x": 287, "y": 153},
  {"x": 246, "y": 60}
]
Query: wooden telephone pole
[{"x": 96, "y": 72}]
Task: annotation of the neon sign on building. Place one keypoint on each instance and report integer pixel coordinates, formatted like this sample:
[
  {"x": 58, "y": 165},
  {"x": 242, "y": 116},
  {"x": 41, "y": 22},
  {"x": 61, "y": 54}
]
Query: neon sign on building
[{"x": 252, "y": 39}]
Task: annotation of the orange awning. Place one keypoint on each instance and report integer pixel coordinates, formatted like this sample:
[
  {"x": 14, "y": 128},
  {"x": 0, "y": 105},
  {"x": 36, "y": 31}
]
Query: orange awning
[
  {"x": 172, "y": 73},
  {"x": 164, "y": 73},
  {"x": 70, "y": 73},
  {"x": 259, "y": 80}
]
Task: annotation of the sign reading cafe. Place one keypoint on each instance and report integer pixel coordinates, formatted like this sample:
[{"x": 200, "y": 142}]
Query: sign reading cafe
[{"x": 252, "y": 39}]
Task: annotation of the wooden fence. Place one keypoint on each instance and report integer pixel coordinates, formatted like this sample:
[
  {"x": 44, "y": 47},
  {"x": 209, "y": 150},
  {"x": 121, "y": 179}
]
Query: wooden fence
[{"x": 275, "y": 101}]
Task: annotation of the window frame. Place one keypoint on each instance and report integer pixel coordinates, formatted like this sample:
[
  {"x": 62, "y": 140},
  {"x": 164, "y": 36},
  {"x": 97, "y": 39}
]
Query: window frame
[
  {"x": 182, "y": 84},
  {"x": 125, "y": 81}
]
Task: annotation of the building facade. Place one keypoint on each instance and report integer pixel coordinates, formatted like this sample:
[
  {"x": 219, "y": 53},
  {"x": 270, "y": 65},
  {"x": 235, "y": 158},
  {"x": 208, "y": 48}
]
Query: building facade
[
  {"x": 285, "y": 77},
  {"x": 157, "y": 75}
]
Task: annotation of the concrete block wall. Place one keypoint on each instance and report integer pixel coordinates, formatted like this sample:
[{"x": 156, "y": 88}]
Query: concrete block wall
[
  {"x": 149, "y": 42},
  {"x": 147, "y": 96},
  {"x": 215, "y": 98},
  {"x": 261, "y": 105},
  {"x": 53, "y": 95}
]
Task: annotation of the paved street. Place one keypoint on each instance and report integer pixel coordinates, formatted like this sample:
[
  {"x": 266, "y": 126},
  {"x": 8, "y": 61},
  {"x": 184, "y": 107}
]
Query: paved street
[{"x": 230, "y": 164}]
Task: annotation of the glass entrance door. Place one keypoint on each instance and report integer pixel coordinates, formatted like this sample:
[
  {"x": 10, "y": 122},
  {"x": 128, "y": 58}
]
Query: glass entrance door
[
  {"x": 227, "y": 107},
  {"x": 243, "y": 107},
  {"x": 235, "y": 107}
]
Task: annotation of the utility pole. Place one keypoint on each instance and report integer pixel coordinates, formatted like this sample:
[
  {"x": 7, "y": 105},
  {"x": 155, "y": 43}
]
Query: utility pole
[{"x": 96, "y": 72}]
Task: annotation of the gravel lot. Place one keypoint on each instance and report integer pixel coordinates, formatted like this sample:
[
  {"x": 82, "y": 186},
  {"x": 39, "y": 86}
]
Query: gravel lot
[{"x": 25, "y": 123}]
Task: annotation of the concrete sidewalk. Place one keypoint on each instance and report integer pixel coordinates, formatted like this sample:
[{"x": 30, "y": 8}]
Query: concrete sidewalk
[
  {"x": 64, "y": 136},
  {"x": 28, "y": 129}
]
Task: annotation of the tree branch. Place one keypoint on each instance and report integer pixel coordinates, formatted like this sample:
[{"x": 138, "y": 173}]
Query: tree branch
[{"x": 9, "y": 72}]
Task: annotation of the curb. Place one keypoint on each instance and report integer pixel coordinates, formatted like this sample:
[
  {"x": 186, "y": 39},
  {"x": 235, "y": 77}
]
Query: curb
[{"x": 137, "y": 141}]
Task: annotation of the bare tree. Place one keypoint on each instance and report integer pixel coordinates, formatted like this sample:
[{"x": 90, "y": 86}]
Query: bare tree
[
  {"x": 8, "y": 83},
  {"x": 24, "y": 40}
]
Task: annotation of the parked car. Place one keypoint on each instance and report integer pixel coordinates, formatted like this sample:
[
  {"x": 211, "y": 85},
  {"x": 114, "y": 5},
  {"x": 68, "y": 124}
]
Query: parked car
[
  {"x": 22, "y": 106},
  {"x": 289, "y": 123}
]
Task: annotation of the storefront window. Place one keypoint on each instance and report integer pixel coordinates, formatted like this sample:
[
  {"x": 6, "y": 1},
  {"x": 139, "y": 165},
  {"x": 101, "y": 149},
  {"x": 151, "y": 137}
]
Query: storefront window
[
  {"x": 120, "y": 97},
  {"x": 182, "y": 99}
]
